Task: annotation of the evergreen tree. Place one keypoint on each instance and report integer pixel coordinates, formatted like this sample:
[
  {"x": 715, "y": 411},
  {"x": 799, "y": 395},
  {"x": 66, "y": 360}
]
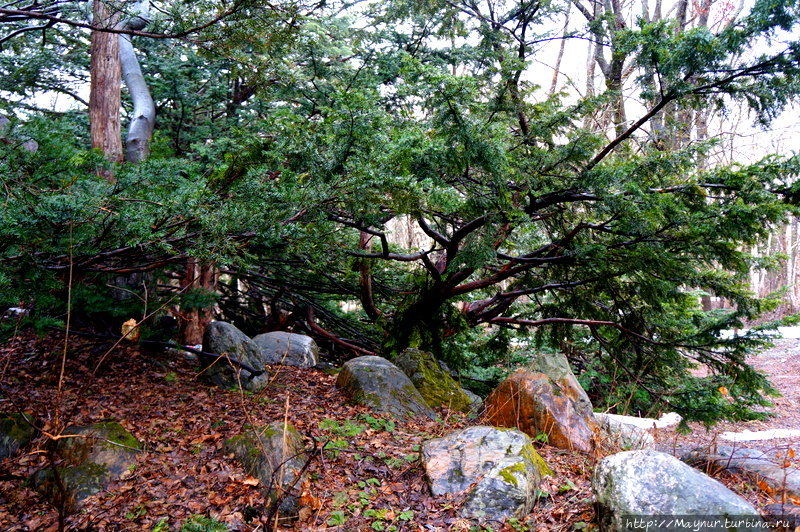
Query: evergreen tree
[{"x": 288, "y": 163}]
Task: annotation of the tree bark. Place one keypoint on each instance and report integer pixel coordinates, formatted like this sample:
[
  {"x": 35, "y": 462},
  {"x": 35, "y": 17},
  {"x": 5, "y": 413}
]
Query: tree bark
[
  {"x": 106, "y": 77},
  {"x": 193, "y": 322},
  {"x": 137, "y": 143},
  {"x": 143, "y": 117}
]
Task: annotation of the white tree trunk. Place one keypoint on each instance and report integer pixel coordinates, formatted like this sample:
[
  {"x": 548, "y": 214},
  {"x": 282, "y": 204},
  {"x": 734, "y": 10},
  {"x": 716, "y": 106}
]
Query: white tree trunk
[{"x": 137, "y": 143}]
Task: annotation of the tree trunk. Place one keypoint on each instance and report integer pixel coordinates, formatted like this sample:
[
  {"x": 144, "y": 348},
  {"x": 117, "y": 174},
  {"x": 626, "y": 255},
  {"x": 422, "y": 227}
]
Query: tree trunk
[
  {"x": 193, "y": 322},
  {"x": 143, "y": 117},
  {"x": 104, "y": 98},
  {"x": 137, "y": 143}
]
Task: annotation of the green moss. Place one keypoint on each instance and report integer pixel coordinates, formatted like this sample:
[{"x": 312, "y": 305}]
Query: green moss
[
  {"x": 235, "y": 440},
  {"x": 529, "y": 453},
  {"x": 114, "y": 432},
  {"x": 435, "y": 385},
  {"x": 269, "y": 431},
  {"x": 507, "y": 473}
]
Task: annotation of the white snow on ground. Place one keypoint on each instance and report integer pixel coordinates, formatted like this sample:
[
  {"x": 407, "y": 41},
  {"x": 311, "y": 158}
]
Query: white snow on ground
[
  {"x": 759, "y": 435},
  {"x": 667, "y": 420},
  {"x": 790, "y": 333}
]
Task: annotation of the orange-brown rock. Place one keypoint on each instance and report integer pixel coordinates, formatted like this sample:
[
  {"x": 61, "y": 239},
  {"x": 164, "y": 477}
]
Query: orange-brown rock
[{"x": 538, "y": 404}]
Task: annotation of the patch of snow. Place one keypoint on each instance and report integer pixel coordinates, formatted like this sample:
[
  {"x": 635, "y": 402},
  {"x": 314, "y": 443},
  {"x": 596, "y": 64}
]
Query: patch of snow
[
  {"x": 667, "y": 420},
  {"x": 760, "y": 435},
  {"x": 789, "y": 333}
]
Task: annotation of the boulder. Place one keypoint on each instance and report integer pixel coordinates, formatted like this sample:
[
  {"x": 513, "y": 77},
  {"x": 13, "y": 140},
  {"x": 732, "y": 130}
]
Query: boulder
[
  {"x": 96, "y": 456},
  {"x": 432, "y": 381},
  {"x": 782, "y": 517},
  {"x": 15, "y": 432},
  {"x": 377, "y": 383},
  {"x": 222, "y": 338},
  {"x": 646, "y": 485},
  {"x": 545, "y": 399},
  {"x": 263, "y": 451},
  {"x": 615, "y": 433},
  {"x": 752, "y": 463},
  {"x": 288, "y": 349},
  {"x": 556, "y": 367},
  {"x": 499, "y": 469},
  {"x": 475, "y": 402}
]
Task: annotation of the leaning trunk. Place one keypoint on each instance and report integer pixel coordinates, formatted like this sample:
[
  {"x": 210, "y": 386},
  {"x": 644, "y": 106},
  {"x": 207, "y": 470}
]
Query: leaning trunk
[{"x": 137, "y": 143}]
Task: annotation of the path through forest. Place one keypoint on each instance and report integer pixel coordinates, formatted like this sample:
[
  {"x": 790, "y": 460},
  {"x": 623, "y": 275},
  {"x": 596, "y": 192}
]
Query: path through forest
[{"x": 782, "y": 364}]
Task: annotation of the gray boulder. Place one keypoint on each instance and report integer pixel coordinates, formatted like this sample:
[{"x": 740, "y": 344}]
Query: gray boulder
[
  {"x": 15, "y": 432},
  {"x": 475, "y": 402},
  {"x": 98, "y": 455},
  {"x": 377, "y": 383},
  {"x": 620, "y": 435},
  {"x": 222, "y": 338},
  {"x": 275, "y": 455},
  {"x": 288, "y": 349},
  {"x": 435, "y": 384},
  {"x": 499, "y": 467},
  {"x": 641, "y": 484},
  {"x": 753, "y": 463}
]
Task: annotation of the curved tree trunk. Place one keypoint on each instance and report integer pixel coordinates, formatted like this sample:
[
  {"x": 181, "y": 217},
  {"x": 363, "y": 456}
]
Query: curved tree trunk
[
  {"x": 143, "y": 117},
  {"x": 137, "y": 143}
]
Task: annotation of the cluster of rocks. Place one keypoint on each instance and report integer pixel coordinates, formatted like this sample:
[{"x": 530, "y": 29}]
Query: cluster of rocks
[
  {"x": 240, "y": 360},
  {"x": 415, "y": 385},
  {"x": 493, "y": 468},
  {"x": 497, "y": 471},
  {"x": 88, "y": 458}
]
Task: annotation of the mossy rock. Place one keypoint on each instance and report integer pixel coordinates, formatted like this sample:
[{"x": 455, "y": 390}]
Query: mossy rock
[
  {"x": 498, "y": 468},
  {"x": 432, "y": 381},
  {"x": 377, "y": 383},
  {"x": 79, "y": 482},
  {"x": 15, "y": 433},
  {"x": 262, "y": 451},
  {"x": 95, "y": 456}
]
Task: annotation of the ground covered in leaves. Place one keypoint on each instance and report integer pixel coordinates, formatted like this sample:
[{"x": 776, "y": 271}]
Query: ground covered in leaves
[{"x": 368, "y": 477}]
